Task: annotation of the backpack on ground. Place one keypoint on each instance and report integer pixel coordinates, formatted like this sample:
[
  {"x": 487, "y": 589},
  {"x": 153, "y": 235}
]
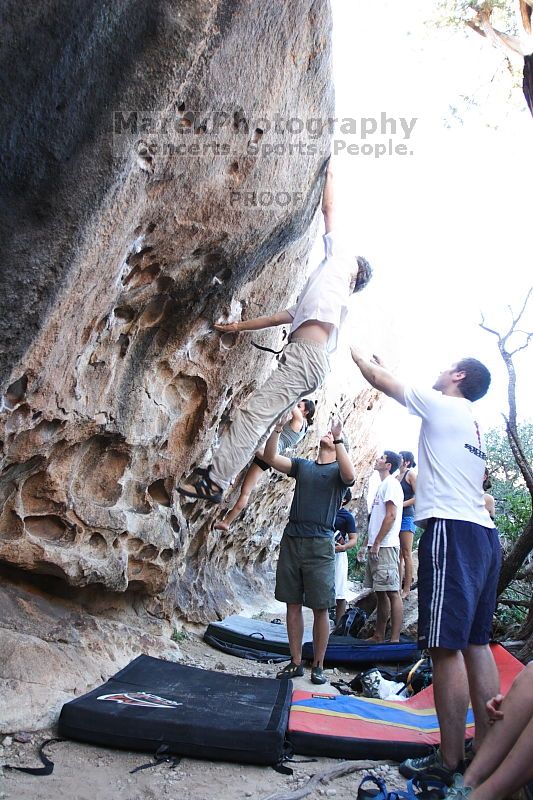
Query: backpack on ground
[{"x": 350, "y": 623}]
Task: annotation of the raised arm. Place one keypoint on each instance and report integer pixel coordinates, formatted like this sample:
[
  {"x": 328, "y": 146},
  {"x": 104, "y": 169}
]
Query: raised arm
[
  {"x": 328, "y": 208},
  {"x": 271, "y": 455},
  {"x": 257, "y": 324},
  {"x": 378, "y": 376},
  {"x": 346, "y": 467}
]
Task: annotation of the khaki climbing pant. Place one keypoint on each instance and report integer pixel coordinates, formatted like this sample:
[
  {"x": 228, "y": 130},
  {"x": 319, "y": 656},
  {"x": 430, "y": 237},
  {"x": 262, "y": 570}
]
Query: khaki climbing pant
[{"x": 302, "y": 369}]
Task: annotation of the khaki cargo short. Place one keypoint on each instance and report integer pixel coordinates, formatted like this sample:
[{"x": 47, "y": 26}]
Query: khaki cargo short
[
  {"x": 383, "y": 573},
  {"x": 306, "y": 571}
]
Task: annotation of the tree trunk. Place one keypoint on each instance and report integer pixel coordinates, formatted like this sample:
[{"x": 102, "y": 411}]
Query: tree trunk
[
  {"x": 526, "y": 653},
  {"x": 522, "y": 547}
]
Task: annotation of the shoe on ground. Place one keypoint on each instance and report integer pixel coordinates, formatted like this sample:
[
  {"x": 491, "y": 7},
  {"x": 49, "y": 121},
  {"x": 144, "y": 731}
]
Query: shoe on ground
[
  {"x": 458, "y": 789},
  {"x": 317, "y": 676},
  {"x": 291, "y": 670},
  {"x": 429, "y": 768}
]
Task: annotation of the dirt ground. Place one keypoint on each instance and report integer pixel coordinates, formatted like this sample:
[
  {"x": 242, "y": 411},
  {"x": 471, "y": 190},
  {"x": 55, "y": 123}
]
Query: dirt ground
[{"x": 86, "y": 772}]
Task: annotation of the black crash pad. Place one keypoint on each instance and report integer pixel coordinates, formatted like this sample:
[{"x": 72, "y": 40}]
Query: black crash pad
[
  {"x": 250, "y": 638},
  {"x": 193, "y": 712}
]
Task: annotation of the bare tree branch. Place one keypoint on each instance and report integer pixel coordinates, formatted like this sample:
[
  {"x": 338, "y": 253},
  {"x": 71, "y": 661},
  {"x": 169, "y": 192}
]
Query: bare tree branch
[
  {"x": 524, "y": 544},
  {"x": 520, "y": 458},
  {"x": 485, "y": 328},
  {"x": 526, "y": 301},
  {"x": 337, "y": 771},
  {"x": 481, "y": 24},
  {"x": 504, "y": 601}
]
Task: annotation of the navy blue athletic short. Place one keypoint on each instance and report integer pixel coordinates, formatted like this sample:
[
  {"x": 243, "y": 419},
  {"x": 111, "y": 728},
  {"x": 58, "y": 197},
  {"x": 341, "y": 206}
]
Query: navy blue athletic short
[{"x": 458, "y": 570}]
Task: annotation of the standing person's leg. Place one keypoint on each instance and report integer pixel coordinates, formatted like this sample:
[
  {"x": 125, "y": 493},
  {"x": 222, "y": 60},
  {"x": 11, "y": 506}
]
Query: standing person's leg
[
  {"x": 289, "y": 590},
  {"x": 406, "y": 562},
  {"x": 318, "y": 567},
  {"x": 295, "y": 631},
  {"x": 483, "y": 677},
  {"x": 320, "y": 635},
  {"x": 248, "y": 485},
  {"x": 453, "y": 564},
  {"x": 383, "y": 605},
  {"x": 385, "y": 572},
  {"x": 483, "y": 682},
  {"x": 396, "y": 615},
  {"x": 450, "y": 689},
  {"x": 301, "y": 370},
  {"x": 382, "y": 617}
]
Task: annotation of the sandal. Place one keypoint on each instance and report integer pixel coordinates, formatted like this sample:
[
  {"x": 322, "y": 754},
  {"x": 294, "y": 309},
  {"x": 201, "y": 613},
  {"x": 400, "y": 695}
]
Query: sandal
[
  {"x": 380, "y": 793},
  {"x": 292, "y": 670},
  {"x": 428, "y": 790},
  {"x": 201, "y": 489}
]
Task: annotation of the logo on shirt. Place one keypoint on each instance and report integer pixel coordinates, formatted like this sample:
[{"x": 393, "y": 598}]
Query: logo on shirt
[{"x": 477, "y": 451}]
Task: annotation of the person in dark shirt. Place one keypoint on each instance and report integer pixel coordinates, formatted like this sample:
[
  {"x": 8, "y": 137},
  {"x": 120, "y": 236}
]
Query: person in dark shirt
[
  {"x": 345, "y": 539},
  {"x": 306, "y": 566}
]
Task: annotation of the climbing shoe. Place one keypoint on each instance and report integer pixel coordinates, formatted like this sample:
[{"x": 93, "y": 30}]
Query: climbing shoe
[
  {"x": 317, "y": 676},
  {"x": 429, "y": 768}
]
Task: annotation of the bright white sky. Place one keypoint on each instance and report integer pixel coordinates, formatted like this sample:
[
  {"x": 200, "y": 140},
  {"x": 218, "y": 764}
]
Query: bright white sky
[{"x": 447, "y": 229}]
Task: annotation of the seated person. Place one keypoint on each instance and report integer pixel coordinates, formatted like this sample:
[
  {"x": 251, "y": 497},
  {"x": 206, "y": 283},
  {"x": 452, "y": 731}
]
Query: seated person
[{"x": 504, "y": 761}]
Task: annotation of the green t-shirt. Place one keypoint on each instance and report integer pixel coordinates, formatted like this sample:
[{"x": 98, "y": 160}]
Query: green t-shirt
[{"x": 317, "y": 498}]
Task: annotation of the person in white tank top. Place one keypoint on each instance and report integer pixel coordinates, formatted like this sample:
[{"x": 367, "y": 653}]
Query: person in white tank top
[{"x": 302, "y": 367}]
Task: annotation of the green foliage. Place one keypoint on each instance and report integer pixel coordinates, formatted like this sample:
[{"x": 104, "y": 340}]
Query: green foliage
[
  {"x": 458, "y": 13},
  {"x": 494, "y": 91},
  {"x": 513, "y": 501},
  {"x": 501, "y": 463},
  {"x": 356, "y": 568},
  {"x": 513, "y": 510},
  {"x": 179, "y": 636},
  {"x": 508, "y": 620}
]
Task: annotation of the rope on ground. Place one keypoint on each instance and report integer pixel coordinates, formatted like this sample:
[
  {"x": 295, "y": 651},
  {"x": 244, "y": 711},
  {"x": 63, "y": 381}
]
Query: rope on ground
[{"x": 338, "y": 771}]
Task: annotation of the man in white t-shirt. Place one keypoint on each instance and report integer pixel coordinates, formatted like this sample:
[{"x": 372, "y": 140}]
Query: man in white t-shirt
[
  {"x": 459, "y": 554},
  {"x": 315, "y": 321},
  {"x": 383, "y": 548}
]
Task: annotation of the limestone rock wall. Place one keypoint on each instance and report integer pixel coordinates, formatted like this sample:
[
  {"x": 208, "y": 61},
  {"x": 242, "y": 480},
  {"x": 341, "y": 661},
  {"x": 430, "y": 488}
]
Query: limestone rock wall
[{"x": 152, "y": 185}]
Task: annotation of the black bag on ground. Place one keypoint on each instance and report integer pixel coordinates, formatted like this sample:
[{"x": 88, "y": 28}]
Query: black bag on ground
[
  {"x": 152, "y": 705},
  {"x": 350, "y": 623},
  {"x": 416, "y": 676},
  {"x": 251, "y": 638}
]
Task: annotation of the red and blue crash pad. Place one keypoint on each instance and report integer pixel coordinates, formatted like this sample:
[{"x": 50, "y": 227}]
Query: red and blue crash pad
[
  {"x": 360, "y": 727},
  {"x": 155, "y": 705}
]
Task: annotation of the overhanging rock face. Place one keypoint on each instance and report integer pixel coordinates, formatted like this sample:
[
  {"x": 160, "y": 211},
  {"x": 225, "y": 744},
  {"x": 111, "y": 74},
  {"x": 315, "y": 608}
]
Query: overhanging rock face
[{"x": 163, "y": 167}]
